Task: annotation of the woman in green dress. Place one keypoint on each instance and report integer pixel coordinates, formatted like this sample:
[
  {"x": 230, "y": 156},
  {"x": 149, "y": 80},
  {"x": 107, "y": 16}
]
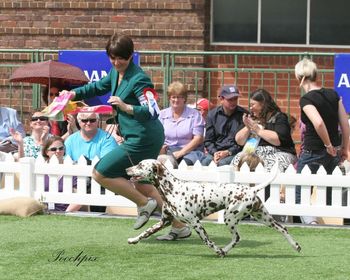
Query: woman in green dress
[{"x": 142, "y": 132}]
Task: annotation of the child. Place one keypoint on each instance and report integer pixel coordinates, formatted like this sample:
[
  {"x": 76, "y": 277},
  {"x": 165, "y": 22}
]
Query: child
[{"x": 251, "y": 159}]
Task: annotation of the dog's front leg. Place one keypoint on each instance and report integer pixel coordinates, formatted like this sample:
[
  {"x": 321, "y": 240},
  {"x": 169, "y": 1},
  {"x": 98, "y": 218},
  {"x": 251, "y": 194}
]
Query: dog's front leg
[
  {"x": 148, "y": 232},
  {"x": 165, "y": 221},
  {"x": 197, "y": 226}
]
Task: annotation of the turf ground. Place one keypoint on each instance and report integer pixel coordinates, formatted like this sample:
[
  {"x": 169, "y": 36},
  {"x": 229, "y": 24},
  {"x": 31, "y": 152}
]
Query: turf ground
[{"x": 64, "y": 247}]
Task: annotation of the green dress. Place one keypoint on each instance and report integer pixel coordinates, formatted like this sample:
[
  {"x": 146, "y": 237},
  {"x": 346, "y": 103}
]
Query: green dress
[{"x": 143, "y": 136}]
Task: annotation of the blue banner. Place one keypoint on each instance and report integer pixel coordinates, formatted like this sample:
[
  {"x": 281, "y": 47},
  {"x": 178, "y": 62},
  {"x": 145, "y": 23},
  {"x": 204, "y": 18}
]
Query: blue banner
[
  {"x": 95, "y": 65},
  {"x": 342, "y": 78}
]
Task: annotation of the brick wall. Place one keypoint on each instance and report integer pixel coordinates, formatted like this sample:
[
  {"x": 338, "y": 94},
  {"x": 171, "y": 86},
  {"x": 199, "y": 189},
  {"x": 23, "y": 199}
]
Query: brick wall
[{"x": 153, "y": 25}]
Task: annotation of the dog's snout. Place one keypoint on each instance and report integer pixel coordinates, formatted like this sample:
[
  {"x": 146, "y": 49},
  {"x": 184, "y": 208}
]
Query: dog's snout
[{"x": 129, "y": 170}]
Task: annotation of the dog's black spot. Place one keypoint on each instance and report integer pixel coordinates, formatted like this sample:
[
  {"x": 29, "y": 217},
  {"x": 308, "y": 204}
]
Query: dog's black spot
[{"x": 212, "y": 204}]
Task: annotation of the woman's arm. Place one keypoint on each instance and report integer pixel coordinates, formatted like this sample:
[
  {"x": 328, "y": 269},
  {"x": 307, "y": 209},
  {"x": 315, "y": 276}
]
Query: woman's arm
[
  {"x": 268, "y": 135},
  {"x": 242, "y": 136},
  {"x": 344, "y": 125},
  {"x": 192, "y": 145},
  {"x": 18, "y": 138}
]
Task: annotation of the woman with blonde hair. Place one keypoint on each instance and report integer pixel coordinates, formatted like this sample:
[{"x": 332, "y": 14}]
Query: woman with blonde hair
[
  {"x": 322, "y": 112},
  {"x": 183, "y": 127}
]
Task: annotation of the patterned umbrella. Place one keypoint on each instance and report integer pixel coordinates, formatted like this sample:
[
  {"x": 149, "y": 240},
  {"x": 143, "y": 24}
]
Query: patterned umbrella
[{"x": 49, "y": 73}]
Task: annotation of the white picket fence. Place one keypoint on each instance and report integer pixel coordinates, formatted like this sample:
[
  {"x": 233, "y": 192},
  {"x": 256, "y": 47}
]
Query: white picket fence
[{"x": 26, "y": 178}]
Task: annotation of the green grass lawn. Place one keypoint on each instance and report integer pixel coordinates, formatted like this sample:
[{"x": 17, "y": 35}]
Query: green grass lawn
[{"x": 29, "y": 249}]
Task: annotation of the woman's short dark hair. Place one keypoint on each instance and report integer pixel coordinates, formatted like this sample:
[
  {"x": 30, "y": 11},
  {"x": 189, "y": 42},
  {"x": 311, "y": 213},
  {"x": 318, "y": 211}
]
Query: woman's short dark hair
[
  {"x": 120, "y": 46},
  {"x": 269, "y": 105}
]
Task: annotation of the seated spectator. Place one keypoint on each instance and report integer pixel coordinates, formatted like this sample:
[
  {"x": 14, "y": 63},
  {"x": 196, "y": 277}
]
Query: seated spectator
[
  {"x": 183, "y": 127},
  {"x": 30, "y": 146},
  {"x": 9, "y": 122},
  {"x": 251, "y": 159},
  {"x": 90, "y": 141},
  {"x": 221, "y": 126},
  {"x": 271, "y": 127},
  {"x": 54, "y": 146},
  {"x": 203, "y": 105}
]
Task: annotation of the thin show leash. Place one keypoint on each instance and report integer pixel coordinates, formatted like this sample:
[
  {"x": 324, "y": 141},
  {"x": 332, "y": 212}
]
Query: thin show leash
[{"x": 110, "y": 131}]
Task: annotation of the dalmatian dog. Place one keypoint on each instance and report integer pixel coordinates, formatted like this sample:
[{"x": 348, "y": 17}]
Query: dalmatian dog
[{"x": 190, "y": 201}]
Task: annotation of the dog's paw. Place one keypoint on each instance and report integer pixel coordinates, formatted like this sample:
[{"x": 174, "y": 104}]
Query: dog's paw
[
  {"x": 298, "y": 248},
  {"x": 133, "y": 240},
  {"x": 221, "y": 253}
]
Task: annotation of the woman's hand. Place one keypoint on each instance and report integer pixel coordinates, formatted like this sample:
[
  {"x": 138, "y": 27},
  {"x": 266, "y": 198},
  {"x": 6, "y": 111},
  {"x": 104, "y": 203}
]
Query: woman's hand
[
  {"x": 178, "y": 154},
  {"x": 331, "y": 150},
  {"x": 344, "y": 153},
  {"x": 220, "y": 155},
  {"x": 44, "y": 134},
  {"x": 72, "y": 125},
  {"x": 17, "y": 136},
  {"x": 163, "y": 150},
  {"x": 116, "y": 101},
  {"x": 256, "y": 128},
  {"x": 245, "y": 120},
  {"x": 251, "y": 124}
]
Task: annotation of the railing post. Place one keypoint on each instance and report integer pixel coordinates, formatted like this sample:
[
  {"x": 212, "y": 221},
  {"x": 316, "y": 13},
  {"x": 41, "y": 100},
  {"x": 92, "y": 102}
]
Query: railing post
[
  {"x": 27, "y": 176},
  {"x": 167, "y": 78}
]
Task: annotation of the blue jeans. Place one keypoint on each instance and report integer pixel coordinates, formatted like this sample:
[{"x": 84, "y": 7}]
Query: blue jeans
[
  {"x": 314, "y": 159},
  {"x": 208, "y": 159},
  {"x": 189, "y": 158}
]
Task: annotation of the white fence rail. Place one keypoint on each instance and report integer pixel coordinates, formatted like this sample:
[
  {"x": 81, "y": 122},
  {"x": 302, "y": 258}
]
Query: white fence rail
[{"x": 26, "y": 178}]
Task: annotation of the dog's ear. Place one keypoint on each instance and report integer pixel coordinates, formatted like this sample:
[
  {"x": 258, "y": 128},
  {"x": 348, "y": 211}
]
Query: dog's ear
[{"x": 160, "y": 169}]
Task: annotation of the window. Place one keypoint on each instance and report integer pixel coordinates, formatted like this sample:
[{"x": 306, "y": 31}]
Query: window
[
  {"x": 235, "y": 21},
  {"x": 283, "y": 21},
  {"x": 277, "y": 22},
  {"x": 329, "y": 22}
]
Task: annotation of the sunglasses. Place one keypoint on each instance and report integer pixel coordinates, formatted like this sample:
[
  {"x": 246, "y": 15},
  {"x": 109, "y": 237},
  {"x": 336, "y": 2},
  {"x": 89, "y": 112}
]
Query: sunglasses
[
  {"x": 54, "y": 149},
  {"x": 34, "y": 119},
  {"x": 88, "y": 120}
]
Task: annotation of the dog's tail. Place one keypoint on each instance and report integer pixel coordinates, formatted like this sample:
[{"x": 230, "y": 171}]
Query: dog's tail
[{"x": 273, "y": 174}]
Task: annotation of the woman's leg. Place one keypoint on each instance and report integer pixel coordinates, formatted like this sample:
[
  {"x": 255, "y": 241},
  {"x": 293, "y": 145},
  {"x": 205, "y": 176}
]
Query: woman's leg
[
  {"x": 149, "y": 190},
  {"x": 181, "y": 229},
  {"x": 122, "y": 187}
]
